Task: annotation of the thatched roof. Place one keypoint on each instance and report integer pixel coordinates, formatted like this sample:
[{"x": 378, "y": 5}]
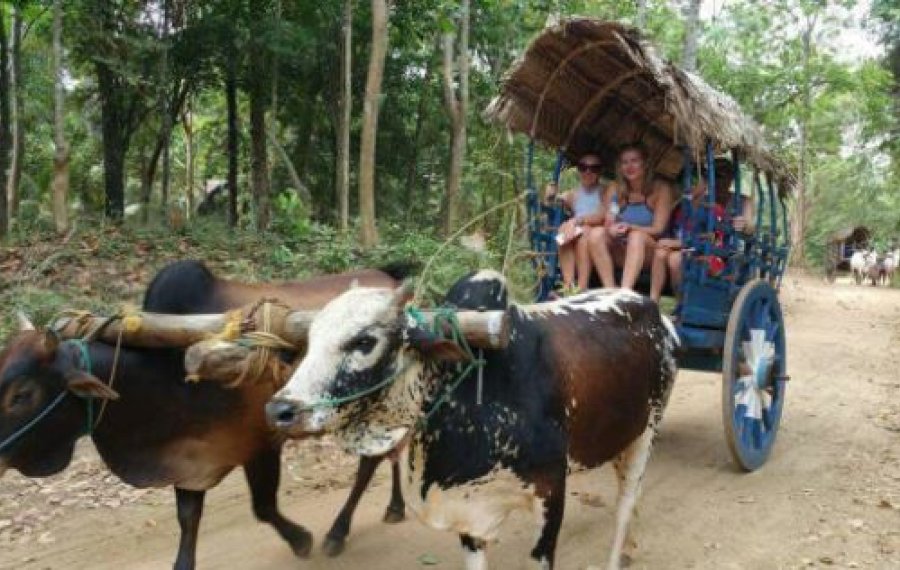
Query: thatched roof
[
  {"x": 588, "y": 85},
  {"x": 858, "y": 234}
]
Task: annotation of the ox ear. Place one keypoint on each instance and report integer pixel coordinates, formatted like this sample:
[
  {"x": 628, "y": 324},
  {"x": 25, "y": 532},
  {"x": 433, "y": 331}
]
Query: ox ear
[
  {"x": 50, "y": 341},
  {"x": 434, "y": 347},
  {"x": 86, "y": 385},
  {"x": 25, "y": 323}
]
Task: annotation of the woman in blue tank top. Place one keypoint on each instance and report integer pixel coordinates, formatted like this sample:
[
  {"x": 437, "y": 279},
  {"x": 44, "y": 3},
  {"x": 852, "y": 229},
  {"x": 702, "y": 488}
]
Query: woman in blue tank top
[
  {"x": 585, "y": 204},
  {"x": 636, "y": 212}
]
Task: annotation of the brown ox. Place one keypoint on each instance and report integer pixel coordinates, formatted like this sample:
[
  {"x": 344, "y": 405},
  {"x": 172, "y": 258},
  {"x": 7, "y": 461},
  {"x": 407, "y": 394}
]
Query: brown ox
[{"x": 158, "y": 430}]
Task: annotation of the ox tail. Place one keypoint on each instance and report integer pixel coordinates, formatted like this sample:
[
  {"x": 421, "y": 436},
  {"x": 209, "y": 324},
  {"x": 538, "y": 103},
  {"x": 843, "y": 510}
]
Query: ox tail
[{"x": 400, "y": 270}]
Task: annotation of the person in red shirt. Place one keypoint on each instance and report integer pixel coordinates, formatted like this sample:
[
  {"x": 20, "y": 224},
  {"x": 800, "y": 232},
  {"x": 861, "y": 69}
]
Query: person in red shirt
[{"x": 668, "y": 254}]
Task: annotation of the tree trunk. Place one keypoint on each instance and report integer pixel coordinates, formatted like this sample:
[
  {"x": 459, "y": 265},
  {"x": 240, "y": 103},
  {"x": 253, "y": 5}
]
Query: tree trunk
[
  {"x": 259, "y": 158},
  {"x": 412, "y": 166},
  {"x": 342, "y": 182},
  {"x": 368, "y": 230},
  {"x": 18, "y": 122},
  {"x": 801, "y": 213},
  {"x": 231, "y": 104},
  {"x": 457, "y": 108},
  {"x": 301, "y": 188},
  {"x": 114, "y": 140},
  {"x": 188, "y": 125},
  {"x": 691, "y": 22},
  {"x": 4, "y": 124},
  {"x": 146, "y": 183},
  {"x": 641, "y": 19},
  {"x": 165, "y": 109},
  {"x": 60, "y": 184}
]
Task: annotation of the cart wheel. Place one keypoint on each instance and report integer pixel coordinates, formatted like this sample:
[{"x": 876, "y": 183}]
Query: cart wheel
[{"x": 754, "y": 365}]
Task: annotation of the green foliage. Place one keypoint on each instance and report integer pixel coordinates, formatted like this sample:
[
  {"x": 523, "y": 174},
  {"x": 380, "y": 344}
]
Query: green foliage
[
  {"x": 750, "y": 50},
  {"x": 291, "y": 216}
]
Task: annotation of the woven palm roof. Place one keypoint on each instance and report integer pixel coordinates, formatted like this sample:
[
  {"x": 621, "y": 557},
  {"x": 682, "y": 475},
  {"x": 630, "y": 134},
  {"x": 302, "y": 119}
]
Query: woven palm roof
[{"x": 586, "y": 85}]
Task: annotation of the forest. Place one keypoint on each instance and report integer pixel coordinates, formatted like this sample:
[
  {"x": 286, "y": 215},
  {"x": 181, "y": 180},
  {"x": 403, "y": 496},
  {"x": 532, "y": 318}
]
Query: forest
[{"x": 359, "y": 125}]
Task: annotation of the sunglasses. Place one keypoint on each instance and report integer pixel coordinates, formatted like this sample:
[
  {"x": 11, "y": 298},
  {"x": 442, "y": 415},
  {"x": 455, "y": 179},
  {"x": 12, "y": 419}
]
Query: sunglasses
[{"x": 595, "y": 168}]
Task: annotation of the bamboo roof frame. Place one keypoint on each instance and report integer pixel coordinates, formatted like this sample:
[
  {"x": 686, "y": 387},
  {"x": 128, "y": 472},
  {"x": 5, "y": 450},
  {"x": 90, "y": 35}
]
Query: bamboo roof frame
[{"x": 577, "y": 79}]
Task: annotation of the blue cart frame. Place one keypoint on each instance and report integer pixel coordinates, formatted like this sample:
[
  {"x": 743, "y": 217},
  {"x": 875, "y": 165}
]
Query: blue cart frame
[{"x": 729, "y": 321}]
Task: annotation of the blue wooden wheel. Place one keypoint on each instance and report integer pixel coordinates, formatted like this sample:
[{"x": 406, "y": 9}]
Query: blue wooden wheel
[{"x": 754, "y": 374}]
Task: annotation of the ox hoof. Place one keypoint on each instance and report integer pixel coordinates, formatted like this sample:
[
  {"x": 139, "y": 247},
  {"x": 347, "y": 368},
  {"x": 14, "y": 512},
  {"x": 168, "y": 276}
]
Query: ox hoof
[
  {"x": 393, "y": 516},
  {"x": 333, "y": 546},
  {"x": 301, "y": 542}
]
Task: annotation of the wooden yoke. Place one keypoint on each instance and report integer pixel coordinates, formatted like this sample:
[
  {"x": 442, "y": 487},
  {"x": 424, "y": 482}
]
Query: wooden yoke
[
  {"x": 482, "y": 329},
  {"x": 246, "y": 344}
]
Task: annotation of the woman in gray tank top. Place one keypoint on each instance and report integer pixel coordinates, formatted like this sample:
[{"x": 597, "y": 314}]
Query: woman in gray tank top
[{"x": 584, "y": 203}]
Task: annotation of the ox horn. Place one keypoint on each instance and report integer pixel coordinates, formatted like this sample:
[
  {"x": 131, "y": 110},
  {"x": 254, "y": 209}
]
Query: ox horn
[
  {"x": 402, "y": 294},
  {"x": 25, "y": 323}
]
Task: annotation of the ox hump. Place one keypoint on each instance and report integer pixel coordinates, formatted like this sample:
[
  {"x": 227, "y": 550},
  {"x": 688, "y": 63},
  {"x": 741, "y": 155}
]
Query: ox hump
[{"x": 595, "y": 302}]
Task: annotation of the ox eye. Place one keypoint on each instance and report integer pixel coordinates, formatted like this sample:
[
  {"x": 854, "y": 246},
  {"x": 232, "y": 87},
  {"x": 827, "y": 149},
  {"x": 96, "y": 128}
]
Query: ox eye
[
  {"x": 20, "y": 398},
  {"x": 362, "y": 344}
]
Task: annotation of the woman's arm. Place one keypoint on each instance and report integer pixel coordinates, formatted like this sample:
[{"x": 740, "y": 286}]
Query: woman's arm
[{"x": 744, "y": 221}]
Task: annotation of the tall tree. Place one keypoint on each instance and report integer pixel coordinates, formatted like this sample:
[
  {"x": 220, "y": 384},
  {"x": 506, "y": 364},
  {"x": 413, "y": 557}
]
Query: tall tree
[
  {"x": 187, "y": 124},
  {"x": 60, "y": 185},
  {"x": 457, "y": 104},
  {"x": 640, "y": 19},
  {"x": 164, "y": 103},
  {"x": 801, "y": 213},
  {"x": 371, "y": 103},
  {"x": 232, "y": 114},
  {"x": 342, "y": 168},
  {"x": 113, "y": 38},
  {"x": 260, "y": 86},
  {"x": 5, "y": 134},
  {"x": 18, "y": 118},
  {"x": 259, "y": 156},
  {"x": 691, "y": 24}
]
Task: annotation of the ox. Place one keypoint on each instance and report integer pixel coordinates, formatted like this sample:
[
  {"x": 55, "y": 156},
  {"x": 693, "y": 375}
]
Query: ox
[
  {"x": 858, "y": 265},
  {"x": 891, "y": 262},
  {"x": 158, "y": 430},
  {"x": 584, "y": 379}
]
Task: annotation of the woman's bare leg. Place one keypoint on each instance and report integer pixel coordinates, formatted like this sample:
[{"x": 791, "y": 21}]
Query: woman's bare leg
[
  {"x": 567, "y": 263},
  {"x": 599, "y": 245},
  {"x": 636, "y": 252},
  {"x": 674, "y": 262},
  {"x": 658, "y": 272},
  {"x": 583, "y": 263}
]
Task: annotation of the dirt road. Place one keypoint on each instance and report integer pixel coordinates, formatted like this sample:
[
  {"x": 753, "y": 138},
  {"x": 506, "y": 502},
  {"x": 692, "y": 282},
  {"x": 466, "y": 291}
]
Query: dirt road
[{"x": 829, "y": 495}]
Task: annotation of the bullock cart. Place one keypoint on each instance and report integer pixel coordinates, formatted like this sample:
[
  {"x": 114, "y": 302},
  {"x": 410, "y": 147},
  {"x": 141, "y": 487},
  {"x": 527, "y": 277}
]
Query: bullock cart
[
  {"x": 840, "y": 248},
  {"x": 587, "y": 86}
]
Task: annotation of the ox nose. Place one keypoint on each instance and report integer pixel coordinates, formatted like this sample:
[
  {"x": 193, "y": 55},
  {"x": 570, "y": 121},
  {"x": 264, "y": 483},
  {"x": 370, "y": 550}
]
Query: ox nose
[{"x": 282, "y": 413}]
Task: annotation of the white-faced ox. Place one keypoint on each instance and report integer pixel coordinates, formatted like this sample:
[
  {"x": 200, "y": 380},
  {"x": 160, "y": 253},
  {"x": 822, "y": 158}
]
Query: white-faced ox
[{"x": 583, "y": 380}]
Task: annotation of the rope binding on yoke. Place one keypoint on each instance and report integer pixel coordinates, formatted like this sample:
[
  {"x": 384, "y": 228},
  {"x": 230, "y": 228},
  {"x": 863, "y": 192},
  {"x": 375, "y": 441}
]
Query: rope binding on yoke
[{"x": 445, "y": 320}]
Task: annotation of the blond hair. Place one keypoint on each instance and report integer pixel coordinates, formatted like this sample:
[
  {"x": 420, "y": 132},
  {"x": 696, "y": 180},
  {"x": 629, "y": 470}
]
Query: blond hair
[{"x": 623, "y": 190}]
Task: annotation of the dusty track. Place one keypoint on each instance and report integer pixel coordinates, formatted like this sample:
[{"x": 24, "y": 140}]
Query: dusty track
[{"x": 829, "y": 496}]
